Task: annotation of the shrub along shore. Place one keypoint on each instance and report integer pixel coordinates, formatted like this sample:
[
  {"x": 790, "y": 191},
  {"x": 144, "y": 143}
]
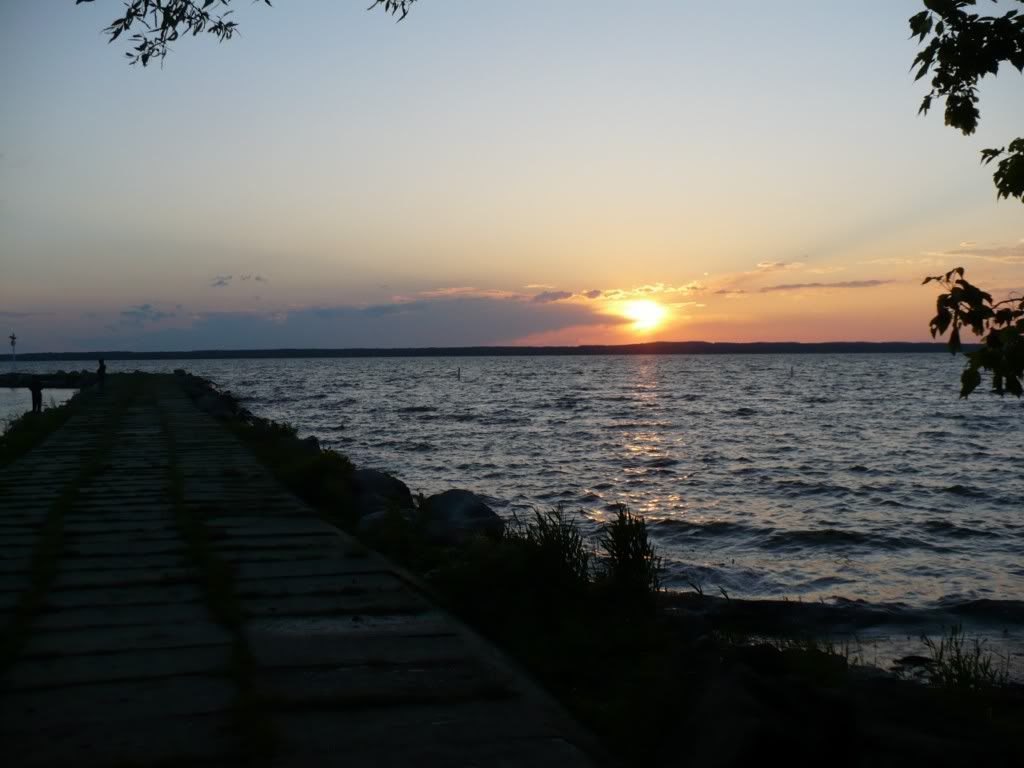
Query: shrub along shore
[{"x": 661, "y": 678}]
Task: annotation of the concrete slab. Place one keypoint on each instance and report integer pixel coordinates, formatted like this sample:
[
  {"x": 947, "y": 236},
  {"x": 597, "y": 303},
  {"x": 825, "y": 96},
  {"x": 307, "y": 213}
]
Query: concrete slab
[
  {"x": 15, "y": 581},
  {"x": 275, "y": 651},
  {"x": 71, "y": 642},
  {"x": 287, "y": 644},
  {"x": 321, "y": 568},
  {"x": 20, "y": 540},
  {"x": 17, "y": 554},
  {"x": 316, "y": 585},
  {"x": 120, "y": 596},
  {"x": 339, "y": 686},
  {"x": 61, "y": 671},
  {"x": 474, "y": 733},
  {"x": 235, "y": 544},
  {"x": 395, "y": 602},
  {"x": 24, "y": 521},
  {"x": 98, "y": 525},
  {"x": 20, "y": 566},
  {"x": 128, "y": 564},
  {"x": 138, "y": 576},
  {"x": 120, "y": 615},
  {"x": 8, "y": 602},
  {"x": 254, "y": 526},
  {"x": 103, "y": 704},
  {"x": 127, "y": 545}
]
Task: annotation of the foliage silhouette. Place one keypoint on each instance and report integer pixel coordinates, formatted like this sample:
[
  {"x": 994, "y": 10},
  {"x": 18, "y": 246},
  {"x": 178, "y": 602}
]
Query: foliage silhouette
[
  {"x": 161, "y": 22},
  {"x": 999, "y": 325},
  {"x": 963, "y": 48}
]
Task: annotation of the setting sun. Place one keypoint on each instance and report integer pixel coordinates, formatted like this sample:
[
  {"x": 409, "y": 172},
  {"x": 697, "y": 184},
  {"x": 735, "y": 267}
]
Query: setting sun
[{"x": 645, "y": 314}]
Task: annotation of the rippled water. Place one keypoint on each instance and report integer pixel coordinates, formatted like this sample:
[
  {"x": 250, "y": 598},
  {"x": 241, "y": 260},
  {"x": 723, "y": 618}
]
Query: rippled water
[{"x": 806, "y": 476}]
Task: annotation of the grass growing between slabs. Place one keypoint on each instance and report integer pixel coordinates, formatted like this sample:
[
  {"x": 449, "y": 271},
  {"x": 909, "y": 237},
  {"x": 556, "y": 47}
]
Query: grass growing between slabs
[
  {"x": 29, "y": 431},
  {"x": 217, "y": 578}
]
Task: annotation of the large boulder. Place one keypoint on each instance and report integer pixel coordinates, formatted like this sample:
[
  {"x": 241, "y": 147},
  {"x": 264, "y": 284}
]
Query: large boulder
[
  {"x": 457, "y": 515},
  {"x": 383, "y": 519},
  {"x": 377, "y": 491}
]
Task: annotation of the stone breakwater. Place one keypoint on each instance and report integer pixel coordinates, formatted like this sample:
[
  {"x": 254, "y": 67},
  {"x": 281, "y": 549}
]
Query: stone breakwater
[{"x": 164, "y": 600}]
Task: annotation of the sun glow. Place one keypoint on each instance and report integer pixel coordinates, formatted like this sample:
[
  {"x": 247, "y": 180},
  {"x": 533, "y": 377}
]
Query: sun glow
[{"x": 645, "y": 314}]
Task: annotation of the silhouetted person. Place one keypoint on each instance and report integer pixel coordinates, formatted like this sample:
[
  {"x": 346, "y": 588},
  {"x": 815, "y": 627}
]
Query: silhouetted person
[
  {"x": 35, "y": 386},
  {"x": 101, "y": 374}
]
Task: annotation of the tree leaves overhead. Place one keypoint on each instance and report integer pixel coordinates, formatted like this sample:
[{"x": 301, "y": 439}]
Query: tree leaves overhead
[
  {"x": 394, "y": 7},
  {"x": 999, "y": 325},
  {"x": 963, "y": 47},
  {"x": 158, "y": 23}
]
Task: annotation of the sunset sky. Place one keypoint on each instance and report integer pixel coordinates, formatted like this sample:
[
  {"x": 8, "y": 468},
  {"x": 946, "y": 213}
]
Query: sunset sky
[{"x": 526, "y": 172}]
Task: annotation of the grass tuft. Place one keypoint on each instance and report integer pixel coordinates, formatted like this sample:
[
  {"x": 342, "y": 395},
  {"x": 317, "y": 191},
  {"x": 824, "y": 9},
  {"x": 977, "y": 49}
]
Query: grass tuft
[
  {"x": 962, "y": 665},
  {"x": 630, "y": 565},
  {"x": 554, "y": 548}
]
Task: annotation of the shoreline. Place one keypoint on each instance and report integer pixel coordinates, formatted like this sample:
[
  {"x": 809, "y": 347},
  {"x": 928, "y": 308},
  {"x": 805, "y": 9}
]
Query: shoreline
[{"x": 589, "y": 350}]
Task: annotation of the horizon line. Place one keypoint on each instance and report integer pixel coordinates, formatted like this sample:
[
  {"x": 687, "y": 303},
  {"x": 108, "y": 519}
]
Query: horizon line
[{"x": 509, "y": 350}]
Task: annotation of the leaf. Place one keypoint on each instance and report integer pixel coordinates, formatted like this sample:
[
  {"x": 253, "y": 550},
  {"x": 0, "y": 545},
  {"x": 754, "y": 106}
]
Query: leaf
[
  {"x": 969, "y": 381},
  {"x": 988, "y": 155},
  {"x": 920, "y": 25}
]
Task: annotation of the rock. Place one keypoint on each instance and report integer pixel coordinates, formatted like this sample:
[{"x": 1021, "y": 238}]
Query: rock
[
  {"x": 376, "y": 491},
  {"x": 310, "y": 444},
  {"x": 374, "y": 521},
  {"x": 456, "y": 515}
]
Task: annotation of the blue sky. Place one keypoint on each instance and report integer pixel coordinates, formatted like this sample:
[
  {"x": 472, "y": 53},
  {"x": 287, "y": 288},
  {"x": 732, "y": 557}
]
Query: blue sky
[{"x": 332, "y": 178}]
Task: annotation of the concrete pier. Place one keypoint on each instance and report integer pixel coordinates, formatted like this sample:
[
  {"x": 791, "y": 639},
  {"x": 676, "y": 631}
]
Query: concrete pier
[{"x": 164, "y": 601}]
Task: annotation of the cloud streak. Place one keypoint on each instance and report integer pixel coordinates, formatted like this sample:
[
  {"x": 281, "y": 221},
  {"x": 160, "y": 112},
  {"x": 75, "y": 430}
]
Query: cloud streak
[
  {"x": 652, "y": 289},
  {"x": 843, "y": 284},
  {"x": 143, "y": 314},
  {"x": 448, "y": 321},
  {"x": 1011, "y": 253},
  {"x": 22, "y": 315},
  {"x": 550, "y": 296},
  {"x": 463, "y": 291}
]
